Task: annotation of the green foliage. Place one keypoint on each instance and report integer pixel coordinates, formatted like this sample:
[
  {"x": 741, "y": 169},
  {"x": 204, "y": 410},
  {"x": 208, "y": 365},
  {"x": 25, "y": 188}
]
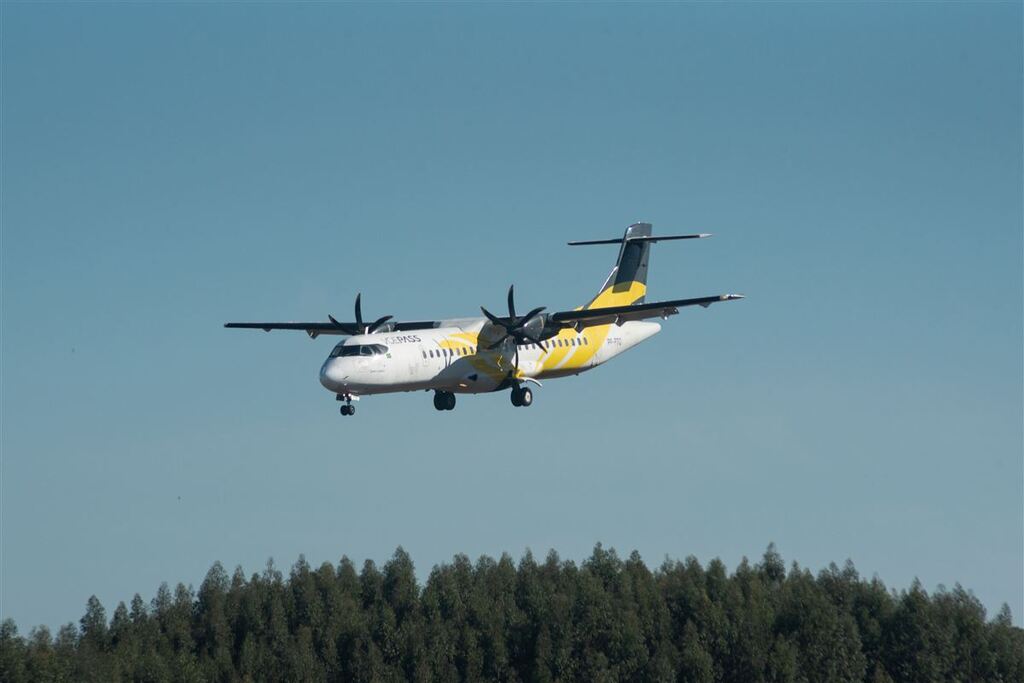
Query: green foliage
[{"x": 607, "y": 619}]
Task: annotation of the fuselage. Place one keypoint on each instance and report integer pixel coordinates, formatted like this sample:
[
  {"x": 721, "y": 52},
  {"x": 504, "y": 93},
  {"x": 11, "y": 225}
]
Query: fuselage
[{"x": 456, "y": 357}]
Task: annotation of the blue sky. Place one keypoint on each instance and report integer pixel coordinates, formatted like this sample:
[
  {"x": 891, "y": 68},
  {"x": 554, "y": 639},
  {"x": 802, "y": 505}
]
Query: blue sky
[{"x": 167, "y": 168}]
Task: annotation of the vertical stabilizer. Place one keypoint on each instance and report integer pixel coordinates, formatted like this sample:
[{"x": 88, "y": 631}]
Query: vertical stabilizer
[{"x": 627, "y": 283}]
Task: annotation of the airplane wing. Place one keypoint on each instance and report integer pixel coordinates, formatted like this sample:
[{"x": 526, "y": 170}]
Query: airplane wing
[
  {"x": 314, "y": 330},
  {"x": 618, "y": 314}
]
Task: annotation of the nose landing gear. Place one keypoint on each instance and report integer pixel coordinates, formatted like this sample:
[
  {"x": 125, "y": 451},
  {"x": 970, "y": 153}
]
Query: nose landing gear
[
  {"x": 348, "y": 408},
  {"x": 444, "y": 400}
]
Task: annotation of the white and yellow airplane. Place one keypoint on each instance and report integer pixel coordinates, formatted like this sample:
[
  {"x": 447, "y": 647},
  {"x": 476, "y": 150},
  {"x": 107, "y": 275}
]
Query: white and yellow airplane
[{"x": 493, "y": 353}]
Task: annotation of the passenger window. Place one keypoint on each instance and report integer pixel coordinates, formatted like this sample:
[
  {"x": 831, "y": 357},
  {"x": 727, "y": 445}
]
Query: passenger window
[{"x": 424, "y": 353}]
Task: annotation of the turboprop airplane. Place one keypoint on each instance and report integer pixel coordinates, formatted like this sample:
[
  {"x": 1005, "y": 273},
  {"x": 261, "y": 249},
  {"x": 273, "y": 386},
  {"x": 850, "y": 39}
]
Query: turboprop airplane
[{"x": 494, "y": 353}]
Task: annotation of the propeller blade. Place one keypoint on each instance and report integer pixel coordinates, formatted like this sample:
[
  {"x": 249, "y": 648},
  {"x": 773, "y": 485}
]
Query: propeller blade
[
  {"x": 331, "y": 318},
  {"x": 377, "y": 323},
  {"x": 511, "y": 302},
  {"x": 359, "y": 310},
  {"x": 493, "y": 318}
]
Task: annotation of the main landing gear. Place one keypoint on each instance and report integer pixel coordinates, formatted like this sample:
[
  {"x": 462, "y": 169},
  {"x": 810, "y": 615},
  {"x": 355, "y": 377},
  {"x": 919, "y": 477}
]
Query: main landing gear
[
  {"x": 348, "y": 408},
  {"x": 522, "y": 397},
  {"x": 444, "y": 400}
]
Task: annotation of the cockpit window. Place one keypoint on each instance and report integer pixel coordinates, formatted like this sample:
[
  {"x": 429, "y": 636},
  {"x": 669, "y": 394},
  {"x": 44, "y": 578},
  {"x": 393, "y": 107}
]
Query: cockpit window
[{"x": 359, "y": 350}]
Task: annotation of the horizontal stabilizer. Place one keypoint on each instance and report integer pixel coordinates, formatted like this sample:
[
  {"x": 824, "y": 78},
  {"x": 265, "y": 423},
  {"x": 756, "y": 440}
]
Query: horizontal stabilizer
[{"x": 644, "y": 238}]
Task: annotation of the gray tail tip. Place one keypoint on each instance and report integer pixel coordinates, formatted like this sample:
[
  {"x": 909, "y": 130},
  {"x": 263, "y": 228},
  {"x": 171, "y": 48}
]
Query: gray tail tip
[{"x": 733, "y": 297}]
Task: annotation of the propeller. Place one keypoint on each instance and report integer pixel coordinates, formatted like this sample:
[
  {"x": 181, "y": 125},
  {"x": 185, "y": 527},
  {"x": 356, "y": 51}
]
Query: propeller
[
  {"x": 521, "y": 329},
  {"x": 360, "y": 326}
]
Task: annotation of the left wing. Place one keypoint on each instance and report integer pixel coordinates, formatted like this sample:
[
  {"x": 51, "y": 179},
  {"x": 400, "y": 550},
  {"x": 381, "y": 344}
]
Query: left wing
[
  {"x": 620, "y": 314},
  {"x": 332, "y": 326}
]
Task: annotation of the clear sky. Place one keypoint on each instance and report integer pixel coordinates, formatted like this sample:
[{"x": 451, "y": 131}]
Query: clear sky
[{"x": 170, "y": 167}]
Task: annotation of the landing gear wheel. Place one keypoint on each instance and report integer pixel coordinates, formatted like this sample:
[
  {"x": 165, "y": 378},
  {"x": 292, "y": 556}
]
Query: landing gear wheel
[
  {"x": 444, "y": 400},
  {"x": 522, "y": 397},
  {"x": 348, "y": 409}
]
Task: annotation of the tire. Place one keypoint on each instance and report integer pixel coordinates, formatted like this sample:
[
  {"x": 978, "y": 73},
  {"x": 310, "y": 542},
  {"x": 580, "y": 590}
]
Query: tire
[
  {"x": 439, "y": 400},
  {"x": 449, "y": 403},
  {"x": 525, "y": 397},
  {"x": 351, "y": 410},
  {"x": 517, "y": 400}
]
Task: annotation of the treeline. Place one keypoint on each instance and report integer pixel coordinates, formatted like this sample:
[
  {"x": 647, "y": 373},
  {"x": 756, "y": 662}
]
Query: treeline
[{"x": 607, "y": 619}]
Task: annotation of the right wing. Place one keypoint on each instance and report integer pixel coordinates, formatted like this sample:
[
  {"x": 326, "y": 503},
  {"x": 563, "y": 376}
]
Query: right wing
[{"x": 619, "y": 314}]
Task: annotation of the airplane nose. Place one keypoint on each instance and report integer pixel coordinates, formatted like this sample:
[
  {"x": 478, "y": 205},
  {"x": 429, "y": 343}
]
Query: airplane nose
[{"x": 333, "y": 375}]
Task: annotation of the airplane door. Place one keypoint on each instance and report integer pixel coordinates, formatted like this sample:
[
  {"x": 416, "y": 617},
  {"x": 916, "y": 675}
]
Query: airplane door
[{"x": 415, "y": 358}]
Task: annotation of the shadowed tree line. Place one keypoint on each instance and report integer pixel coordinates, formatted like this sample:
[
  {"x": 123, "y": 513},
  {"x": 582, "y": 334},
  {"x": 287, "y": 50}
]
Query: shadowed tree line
[{"x": 607, "y": 619}]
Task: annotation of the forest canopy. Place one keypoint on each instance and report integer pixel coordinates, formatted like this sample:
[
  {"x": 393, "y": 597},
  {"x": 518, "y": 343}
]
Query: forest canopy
[{"x": 606, "y": 619}]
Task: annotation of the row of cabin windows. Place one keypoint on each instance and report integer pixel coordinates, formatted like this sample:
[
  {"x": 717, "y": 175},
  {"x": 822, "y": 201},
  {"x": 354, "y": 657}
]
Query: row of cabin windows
[
  {"x": 550, "y": 344},
  {"x": 447, "y": 353}
]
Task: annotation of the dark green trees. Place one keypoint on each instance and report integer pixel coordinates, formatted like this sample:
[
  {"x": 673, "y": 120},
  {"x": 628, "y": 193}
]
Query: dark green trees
[{"x": 607, "y": 619}]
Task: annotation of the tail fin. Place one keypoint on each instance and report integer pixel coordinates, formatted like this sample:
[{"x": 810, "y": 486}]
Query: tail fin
[{"x": 627, "y": 283}]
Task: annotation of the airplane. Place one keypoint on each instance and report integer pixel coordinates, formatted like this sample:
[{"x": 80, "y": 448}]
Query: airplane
[{"x": 495, "y": 353}]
